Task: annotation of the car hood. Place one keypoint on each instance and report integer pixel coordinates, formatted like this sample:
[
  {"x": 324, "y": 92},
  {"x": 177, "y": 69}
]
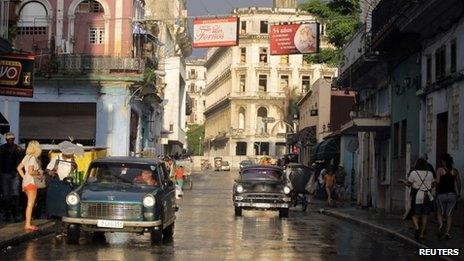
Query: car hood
[
  {"x": 262, "y": 186},
  {"x": 115, "y": 192}
]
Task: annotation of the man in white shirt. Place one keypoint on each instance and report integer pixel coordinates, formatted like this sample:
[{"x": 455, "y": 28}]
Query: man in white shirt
[{"x": 62, "y": 165}]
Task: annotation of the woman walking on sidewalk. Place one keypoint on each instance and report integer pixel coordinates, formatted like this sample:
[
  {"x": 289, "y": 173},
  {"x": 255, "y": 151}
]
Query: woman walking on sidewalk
[
  {"x": 30, "y": 171},
  {"x": 421, "y": 181},
  {"x": 448, "y": 188}
]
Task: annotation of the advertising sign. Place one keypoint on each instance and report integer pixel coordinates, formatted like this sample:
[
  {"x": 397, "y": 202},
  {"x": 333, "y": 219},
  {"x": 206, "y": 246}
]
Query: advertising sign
[
  {"x": 294, "y": 39},
  {"x": 16, "y": 74},
  {"x": 215, "y": 32}
]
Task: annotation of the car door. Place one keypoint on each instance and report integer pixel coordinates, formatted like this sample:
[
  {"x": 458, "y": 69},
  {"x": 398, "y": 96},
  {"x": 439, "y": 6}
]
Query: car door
[{"x": 168, "y": 196}]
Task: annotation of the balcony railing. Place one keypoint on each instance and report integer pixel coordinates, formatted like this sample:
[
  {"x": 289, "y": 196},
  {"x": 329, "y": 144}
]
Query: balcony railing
[{"x": 74, "y": 63}]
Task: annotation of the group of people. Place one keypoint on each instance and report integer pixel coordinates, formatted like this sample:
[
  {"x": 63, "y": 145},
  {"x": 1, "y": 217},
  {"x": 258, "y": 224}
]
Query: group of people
[
  {"x": 329, "y": 181},
  {"x": 430, "y": 189},
  {"x": 23, "y": 170}
]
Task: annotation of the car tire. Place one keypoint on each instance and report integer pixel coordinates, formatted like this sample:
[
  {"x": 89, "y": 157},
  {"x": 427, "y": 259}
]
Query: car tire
[
  {"x": 238, "y": 212},
  {"x": 283, "y": 213},
  {"x": 156, "y": 236},
  {"x": 73, "y": 234},
  {"x": 168, "y": 232},
  {"x": 99, "y": 236}
]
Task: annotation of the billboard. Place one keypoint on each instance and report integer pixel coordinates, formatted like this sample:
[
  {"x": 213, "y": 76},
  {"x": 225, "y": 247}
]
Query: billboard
[
  {"x": 294, "y": 38},
  {"x": 16, "y": 74},
  {"x": 215, "y": 32}
]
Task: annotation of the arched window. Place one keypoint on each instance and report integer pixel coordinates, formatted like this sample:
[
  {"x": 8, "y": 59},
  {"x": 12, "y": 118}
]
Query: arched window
[
  {"x": 261, "y": 125},
  {"x": 241, "y": 118},
  {"x": 89, "y": 6},
  {"x": 32, "y": 19}
]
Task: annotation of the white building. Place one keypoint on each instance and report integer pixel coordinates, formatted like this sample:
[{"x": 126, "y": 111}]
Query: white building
[
  {"x": 174, "y": 46},
  {"x": 196, "y": 83},
  {"x": 247, "y": 89}
]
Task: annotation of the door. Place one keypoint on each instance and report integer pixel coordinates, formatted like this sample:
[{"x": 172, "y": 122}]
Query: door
[
  {"x": 442, "y": 136},
  {"x": 169, "y": 197}
]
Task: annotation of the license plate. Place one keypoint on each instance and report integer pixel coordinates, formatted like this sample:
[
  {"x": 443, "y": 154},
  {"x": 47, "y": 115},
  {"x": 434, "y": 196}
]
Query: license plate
[
  {"x": 110, "y": 223},
  {"x": 263, "y": 205}
]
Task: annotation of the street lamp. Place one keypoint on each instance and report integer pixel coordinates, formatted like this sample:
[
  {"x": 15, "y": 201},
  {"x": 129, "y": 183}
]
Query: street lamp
[{"x": 199, "y": 152}]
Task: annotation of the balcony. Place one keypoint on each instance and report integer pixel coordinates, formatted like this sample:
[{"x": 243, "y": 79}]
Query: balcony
[{"x": 87, "y": 64}]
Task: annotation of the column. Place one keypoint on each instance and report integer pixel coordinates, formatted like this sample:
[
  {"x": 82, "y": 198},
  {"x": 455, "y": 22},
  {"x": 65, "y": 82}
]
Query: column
[
  {"x": 250, "y": 147},
  {"x": 272, "y": 148}
]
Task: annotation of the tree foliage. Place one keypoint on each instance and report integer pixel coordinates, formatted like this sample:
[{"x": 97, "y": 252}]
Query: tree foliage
[
  {"x": 341, "y": 18},
  {"x": 193, "y": 139}
]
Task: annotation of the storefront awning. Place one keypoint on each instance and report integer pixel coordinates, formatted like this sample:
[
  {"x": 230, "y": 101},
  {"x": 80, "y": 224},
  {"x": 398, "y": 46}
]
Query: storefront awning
[
  {"x": 372, "y": 124},
  {"x": 325, "y": 150},
  {"x": 4, "y": 125}
]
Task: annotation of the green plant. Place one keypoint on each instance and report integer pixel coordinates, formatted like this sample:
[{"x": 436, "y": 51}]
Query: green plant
[{"x": 194, "y": 133}]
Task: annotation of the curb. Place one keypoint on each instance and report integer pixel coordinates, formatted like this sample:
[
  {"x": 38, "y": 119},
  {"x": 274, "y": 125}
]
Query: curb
[
  {"x": 384, "y": 230},
  {"x": 44, "y": 229}
]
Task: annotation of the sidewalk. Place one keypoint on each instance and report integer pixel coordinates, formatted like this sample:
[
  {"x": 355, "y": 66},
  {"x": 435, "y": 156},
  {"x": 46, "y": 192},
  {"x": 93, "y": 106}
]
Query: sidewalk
[
  {"x": 13, "y": 233},
  {"x": 395, "y": 226}
]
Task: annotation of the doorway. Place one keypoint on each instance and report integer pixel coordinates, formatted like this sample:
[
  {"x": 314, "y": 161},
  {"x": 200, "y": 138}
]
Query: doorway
[{"x": 442, "y": 136}]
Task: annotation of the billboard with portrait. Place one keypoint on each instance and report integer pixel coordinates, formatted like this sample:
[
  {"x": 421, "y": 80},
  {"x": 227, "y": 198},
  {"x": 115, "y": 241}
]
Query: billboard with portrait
[{"x": 301, "y": 38}]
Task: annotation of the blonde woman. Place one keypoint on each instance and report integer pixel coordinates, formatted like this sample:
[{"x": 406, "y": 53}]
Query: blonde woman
[{"x": 28, "y": 169}]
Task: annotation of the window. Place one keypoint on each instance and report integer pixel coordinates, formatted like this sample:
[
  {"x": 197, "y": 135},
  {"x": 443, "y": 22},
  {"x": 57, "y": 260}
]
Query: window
[
  {"x": 263, "y": 28},
  {"x": 171, "y": 127},
  {"x": 305, "y": 83},
  {"x": 322, "y": 29},
  {"x": 30, "y": 30},
  {"x": 328, "y": 77},
  {"x": 284, "y": 82},
  {"x": 242, "y": 83},
  {"x": 429, "y": 69},
  {"x": 261, "y": 124},
  {"x": 204, "y": 103},
  {"x": 192, "y": 87},
  {"x": 241, "y": 118},
  {"x": 440, "y": 63},
  {"x": 241, "y": 149},
  {"x": 284, "y": 59},
  {"x": 96, "y": 35},
  {"x": 89, "y": 6},
  {"x": 243, "y": 55},
  {"x": 193, "y": 74},
  {"x": 453, "y": 56},
  {"x": 243, "y": 27},
  {"x": 262, "y": 83},
  {"x": 263, "y": 55},
  {"x": 194, "y": 103}
]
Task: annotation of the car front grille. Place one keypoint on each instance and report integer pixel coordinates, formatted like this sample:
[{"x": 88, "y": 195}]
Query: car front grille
[
  {"x": 261, "y": 197},
  {"x": 111, "y": 211}
]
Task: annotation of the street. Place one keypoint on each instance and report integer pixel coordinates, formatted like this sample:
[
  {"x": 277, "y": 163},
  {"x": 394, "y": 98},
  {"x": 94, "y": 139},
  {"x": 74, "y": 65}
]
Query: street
[{"x": 206, "y": 229}]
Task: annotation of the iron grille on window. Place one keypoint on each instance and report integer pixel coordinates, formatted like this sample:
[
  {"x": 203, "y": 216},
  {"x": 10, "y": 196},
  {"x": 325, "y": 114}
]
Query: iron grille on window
[
  {"x": 32, "y": 30},
  {"x": 96, "y": 35}
]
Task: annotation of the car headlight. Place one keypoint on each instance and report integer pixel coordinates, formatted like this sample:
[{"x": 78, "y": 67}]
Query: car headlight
[
  {"x": 72, "y": 199},
  {"x": 239, "y": 188},
  {"x": 286, "y": 190},
  {"x": 148, "y": 201}
]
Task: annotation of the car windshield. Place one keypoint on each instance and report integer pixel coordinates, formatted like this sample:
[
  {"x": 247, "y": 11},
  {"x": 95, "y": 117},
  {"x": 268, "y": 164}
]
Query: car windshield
[
  {"x": 143, "y": 175},
  {"x": 247, "y": 162},
  {"x": 261, "y": 174}
]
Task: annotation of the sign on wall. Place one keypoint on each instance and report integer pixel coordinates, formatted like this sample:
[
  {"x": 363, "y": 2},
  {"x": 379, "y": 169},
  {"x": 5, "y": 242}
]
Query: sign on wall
[
  {"x": 294, "y": 38},
  {"x": 215, "y": 32},
  {"x": 16, "y": 74}
]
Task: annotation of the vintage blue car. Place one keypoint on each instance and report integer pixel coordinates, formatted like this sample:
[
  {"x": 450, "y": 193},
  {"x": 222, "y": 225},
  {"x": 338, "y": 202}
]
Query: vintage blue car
[
  {"x": 263, "y": 188},
  {"x": 123, "y": 194}
]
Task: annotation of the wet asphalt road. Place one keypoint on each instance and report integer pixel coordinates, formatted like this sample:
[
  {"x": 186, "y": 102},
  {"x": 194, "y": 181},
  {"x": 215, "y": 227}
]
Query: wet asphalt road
[{"x": 206, "y": 229}]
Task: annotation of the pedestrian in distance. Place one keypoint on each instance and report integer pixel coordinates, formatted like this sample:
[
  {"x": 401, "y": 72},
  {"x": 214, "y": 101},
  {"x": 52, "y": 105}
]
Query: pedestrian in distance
[
  {"x": 330, "y": 184},
  {"x": 448, "y": 189},
  {"x": 180, "y": 176},
  {"x": 30, "y": 171},
  {"x": 10, "y": 156},
  {"x": 421, "y": 182}
]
